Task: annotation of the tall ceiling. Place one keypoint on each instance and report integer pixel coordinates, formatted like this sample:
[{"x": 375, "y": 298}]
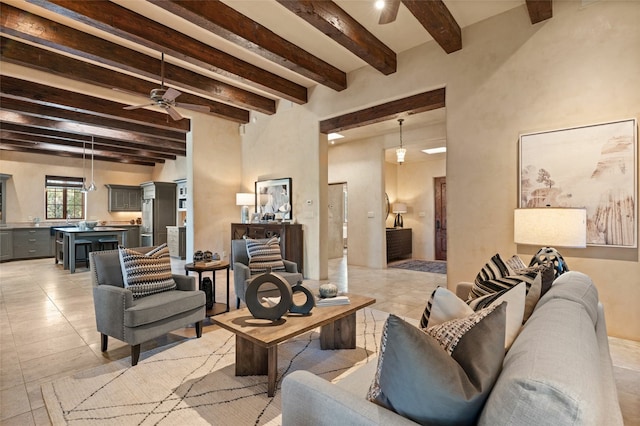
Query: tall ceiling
[{"x": 87, "y": 60}]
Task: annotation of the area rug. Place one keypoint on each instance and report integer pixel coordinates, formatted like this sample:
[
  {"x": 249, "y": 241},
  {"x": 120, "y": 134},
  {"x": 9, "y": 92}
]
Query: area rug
[
  {"x": 437, "y": 267},
  {"x": 193, "y": 382}
]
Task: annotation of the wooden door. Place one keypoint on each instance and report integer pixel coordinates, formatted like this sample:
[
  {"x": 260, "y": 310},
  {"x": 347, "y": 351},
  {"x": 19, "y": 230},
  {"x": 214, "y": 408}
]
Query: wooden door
[
  {"x": 440, "y": 219},
  {"x": 336, "y": 220}
]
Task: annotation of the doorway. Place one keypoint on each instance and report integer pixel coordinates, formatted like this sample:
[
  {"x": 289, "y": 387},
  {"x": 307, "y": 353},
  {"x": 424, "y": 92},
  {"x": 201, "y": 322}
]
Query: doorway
[
  {"x": 337, "y": 197},
  {"x": 440, "y": 217}
]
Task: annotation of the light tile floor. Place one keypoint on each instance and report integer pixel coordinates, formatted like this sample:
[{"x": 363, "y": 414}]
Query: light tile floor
[{"x": 47, "y": 328}]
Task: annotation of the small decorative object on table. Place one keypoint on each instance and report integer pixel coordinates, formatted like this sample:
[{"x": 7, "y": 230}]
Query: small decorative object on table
[
  {"x": 307, "y": 306},
  {"x": 207, "y": 287},
  {"x": 328, "y": 290},
  {"x": 257, "y": 309}
]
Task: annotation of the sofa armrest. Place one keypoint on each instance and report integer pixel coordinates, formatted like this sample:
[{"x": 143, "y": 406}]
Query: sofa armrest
[
  {"x": 110, "y": 303},
  {"x": 463, "y": 289},
  {"x": 185, "y": 283},
  {"x": 310, "y": 400},
  {"x": 290, "y": 266}
]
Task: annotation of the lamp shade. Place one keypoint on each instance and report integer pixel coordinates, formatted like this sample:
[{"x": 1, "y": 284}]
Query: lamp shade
[
  {"x": 245, "y": 199},
  {"x": 550, "y": 226},
  {"x": 399, "y": 208}
]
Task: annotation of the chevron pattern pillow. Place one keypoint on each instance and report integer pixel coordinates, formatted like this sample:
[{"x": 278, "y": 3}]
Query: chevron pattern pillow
[
  {"x": 264, "y": 254},
  {"x": 148, "y": 273}
]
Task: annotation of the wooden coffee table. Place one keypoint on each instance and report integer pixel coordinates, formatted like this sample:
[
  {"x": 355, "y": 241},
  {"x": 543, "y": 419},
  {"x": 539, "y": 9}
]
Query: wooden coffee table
[{"x": 257, "y": 340}]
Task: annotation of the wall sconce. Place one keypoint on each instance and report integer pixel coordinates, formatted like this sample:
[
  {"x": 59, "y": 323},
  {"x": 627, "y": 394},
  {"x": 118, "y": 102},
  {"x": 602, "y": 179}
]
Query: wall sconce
[
  {"x": 244, "y": 199},
  {"x": 550, "y": 226},
  {"x": 397, "y": 209}
]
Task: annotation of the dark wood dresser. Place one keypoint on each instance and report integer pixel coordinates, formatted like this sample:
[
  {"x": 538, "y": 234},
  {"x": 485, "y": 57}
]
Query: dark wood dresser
[
  {"x": 291, "y": 241},
  {"x": 399, "y": 243}
]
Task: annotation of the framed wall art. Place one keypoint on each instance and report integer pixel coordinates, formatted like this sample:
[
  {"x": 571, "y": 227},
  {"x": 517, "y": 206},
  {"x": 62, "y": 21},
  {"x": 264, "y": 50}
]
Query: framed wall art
[
  {"x": 593, "y": 166},
  {"x": 273, "y": 198}
]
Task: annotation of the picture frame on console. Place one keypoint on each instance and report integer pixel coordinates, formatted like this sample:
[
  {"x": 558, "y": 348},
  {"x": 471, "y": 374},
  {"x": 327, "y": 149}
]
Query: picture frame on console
[
  {"x": 593, "y": 166},
  {"x": 273, "y": 198}
]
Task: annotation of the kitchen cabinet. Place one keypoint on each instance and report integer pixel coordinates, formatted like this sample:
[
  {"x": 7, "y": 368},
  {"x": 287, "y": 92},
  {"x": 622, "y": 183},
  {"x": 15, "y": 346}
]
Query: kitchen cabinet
[
  {"x": 133, "y": 235},
  {"x": 3, "y": 196},
  {"x": 158, "y": 211},
  {"x": 6, "y": 244},
  {"x": 399, "y": 243},
  {"x": 31, "y": 243},
  {"x": 291, "y": 241},
  {"x": 124, "y": 198},
  {"x": 177, "y": 241}
]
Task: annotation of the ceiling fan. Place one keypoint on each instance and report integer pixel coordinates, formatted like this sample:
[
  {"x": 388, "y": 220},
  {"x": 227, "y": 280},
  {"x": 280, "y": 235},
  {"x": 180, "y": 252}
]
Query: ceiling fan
[
  {"x": 388, "y": 11},
  {"x": 165, "y": 98}
]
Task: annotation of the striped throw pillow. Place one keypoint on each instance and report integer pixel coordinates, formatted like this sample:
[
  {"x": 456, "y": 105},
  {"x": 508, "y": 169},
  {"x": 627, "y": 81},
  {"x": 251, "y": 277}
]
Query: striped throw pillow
[
  {"x": 264, "y": 254},
  {"x": 496, "y": 267},
  {"x": 148, "y": 273}
]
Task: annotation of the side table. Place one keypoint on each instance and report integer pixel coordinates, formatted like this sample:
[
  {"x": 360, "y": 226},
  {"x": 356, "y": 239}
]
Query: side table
[{"x": 217, "y": 308}]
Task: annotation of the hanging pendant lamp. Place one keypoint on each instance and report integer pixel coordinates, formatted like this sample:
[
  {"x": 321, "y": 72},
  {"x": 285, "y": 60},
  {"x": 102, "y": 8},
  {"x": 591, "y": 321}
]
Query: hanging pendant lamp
[
  {"x": 92, "y": 187},
  {"x": 84, "y": 188},
  {"x": 400, "y": 152}
]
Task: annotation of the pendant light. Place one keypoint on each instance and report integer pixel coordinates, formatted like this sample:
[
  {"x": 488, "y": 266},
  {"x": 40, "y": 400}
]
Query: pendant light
[
  {"x": 400, "y": 152},
  {"x": 84, "y": 188},
  {"x": 92, "y": 187}
]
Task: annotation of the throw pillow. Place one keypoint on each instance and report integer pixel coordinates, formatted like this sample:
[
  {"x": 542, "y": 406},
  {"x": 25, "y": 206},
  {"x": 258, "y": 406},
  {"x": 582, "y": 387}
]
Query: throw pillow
[
  {"x": 148, "y": 273},
  {"x": 264, "y": 254},
  {"x": 445, "y": 306},
  {"x": 420, "y": 380},
  {"x": 515, "y": 263},
  {"x": 494, "y": 268}
]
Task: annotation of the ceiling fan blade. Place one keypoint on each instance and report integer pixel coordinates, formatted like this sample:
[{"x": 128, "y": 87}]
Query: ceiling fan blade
[
  {"x": 173, "y": 113},
  {"x": 390, "y": 12},
  {"x": 138, "y": 106},
  {"x": 193, "y": 107},
  {"x": 171, "y": 94}
]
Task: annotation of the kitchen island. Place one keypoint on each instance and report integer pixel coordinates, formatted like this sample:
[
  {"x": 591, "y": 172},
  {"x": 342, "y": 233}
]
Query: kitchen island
[{"x": 69, "y": 236}]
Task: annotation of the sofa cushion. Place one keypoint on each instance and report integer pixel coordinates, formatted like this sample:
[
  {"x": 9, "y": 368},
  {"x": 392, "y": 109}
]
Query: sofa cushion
[
  {"x": 445, "y": 306},
  {"x": 264, "y": 254},
  {"x": 149, "y": 273},
  {"x": 552, "y": 371},
  {"x": 159, "y": 306},
  {"x": 419, "y": 380},
  {"x": 577, "y": 287}
]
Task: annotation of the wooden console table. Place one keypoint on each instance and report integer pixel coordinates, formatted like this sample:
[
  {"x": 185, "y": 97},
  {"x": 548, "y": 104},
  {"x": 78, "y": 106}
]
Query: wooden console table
[
  {"x": 291, "y": 241},
  {"x": 399, "y": 243}
]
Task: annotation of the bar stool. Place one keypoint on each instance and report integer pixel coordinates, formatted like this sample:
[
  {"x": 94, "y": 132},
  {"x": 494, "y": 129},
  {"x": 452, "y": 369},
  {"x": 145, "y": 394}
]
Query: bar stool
[
  {"x": 108, "y": 243},
  {"x": 86, "y": 246}
]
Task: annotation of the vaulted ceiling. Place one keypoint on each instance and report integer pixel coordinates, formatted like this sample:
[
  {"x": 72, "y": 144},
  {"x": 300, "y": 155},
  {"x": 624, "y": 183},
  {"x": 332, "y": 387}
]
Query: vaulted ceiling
[{"x": 229, "y": 59}]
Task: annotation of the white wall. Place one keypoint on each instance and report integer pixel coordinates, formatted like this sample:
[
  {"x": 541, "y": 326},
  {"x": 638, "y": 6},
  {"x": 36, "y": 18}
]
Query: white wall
[{"x": 511, "y": 77}]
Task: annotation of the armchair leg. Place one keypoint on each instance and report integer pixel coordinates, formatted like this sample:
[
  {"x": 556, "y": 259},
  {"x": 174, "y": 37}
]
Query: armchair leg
[
  {"x": 199, "y": 329},
  {"x": 237, "y": 303},
  {"x": 135, "y": 355},
  {"x": 103, "y": 342}
]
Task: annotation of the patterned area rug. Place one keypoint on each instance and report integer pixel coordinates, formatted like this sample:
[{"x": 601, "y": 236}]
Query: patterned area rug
[
  {"x": 193, "y": 382},
  {"x": 437, "y": 267}
]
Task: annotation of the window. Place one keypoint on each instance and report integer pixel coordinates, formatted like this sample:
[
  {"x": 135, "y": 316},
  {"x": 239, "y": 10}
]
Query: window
[{"x": 64, "y": 198}]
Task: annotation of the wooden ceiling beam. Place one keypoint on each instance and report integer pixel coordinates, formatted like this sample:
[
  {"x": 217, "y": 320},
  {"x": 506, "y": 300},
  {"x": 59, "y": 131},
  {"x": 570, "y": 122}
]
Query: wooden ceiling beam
[
  {"x": 122, "y": 22},
  {"x": 539, "y": 10},
  {"x": 66, "y": 126},
  {"x": 92, "y": 48},
  {"x": 224, "y": 21},
  {"x": 102, "y": 149},
  {"x": 438, "y": 21},
  {"x": 47, "y": 111},
  {"x": 334, "y": 22},
  {"x": 415, "y": 104},
  {"x": 48, "y": 95},
  {"x": 33, "y": 133}
]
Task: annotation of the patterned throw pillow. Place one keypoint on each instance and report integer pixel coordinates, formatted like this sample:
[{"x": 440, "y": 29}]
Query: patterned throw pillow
[
  {"x": 515, "y": 263},
  {"x": 441, "y": 380},
  {"x": 264, "y": 254},
  {"x": 495, "y": 268},
  {"x": 148, "y": 273}
]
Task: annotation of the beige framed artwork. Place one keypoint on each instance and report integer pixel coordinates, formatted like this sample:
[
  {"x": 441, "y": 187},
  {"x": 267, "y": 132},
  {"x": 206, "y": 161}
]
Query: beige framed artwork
[{"x": 593, "y": 166}]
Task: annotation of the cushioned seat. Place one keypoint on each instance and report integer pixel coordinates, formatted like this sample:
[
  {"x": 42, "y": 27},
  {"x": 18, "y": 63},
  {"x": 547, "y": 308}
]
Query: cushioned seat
[
  {"x": 161, "y": 306},
  {"x": 242, "y": 273}
]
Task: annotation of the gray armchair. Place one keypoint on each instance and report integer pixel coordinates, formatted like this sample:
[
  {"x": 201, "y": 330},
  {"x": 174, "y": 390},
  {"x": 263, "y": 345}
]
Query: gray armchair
[
  {"x": 242, "y": 274},
  {"x": 135, "y": 321}
]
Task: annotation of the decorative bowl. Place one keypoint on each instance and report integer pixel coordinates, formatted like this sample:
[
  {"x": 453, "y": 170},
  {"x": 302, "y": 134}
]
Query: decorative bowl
[{"x": 91, "y": 224}]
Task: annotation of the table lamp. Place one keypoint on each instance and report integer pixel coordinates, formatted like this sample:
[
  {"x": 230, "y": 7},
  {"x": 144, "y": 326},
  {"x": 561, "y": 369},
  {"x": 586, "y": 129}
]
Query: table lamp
[
  {"x": 244, "y": 199},
  {"x": 397, "y": 209},
  {"x": 550, "y": 226}
]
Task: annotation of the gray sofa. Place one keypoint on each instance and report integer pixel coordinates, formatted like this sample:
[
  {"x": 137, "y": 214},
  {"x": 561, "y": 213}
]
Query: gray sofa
[
  {"x": 242, "y": 274},
  {"x": 135, "y": 321},
  {"x": 557, "y": 372}
]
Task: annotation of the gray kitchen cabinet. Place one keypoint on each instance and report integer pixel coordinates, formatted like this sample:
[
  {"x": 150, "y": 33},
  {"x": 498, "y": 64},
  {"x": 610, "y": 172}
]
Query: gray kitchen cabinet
[
  {"x": 31, "y": 243},
  {"x": 6, "y": 244},
  {"x": 124, "y": 198},
  {"x": 177, "y": 241},
  {"x": 158, "y": 211}
]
